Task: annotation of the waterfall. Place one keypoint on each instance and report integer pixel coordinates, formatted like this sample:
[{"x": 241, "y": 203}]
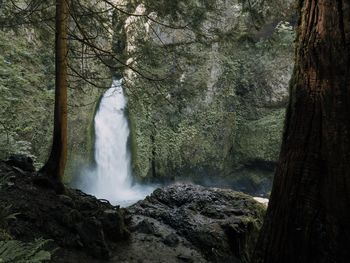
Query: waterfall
[{"x": 112, "y": 177}]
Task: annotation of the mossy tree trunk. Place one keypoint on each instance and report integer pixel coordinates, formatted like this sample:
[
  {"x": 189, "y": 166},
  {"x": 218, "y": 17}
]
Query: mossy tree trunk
[
  {"x": 55, "y": 166},
  {"x": 308, "y": 218}
]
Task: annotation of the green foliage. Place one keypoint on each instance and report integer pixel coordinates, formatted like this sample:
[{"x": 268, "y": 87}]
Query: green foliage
[
  {"x": 195, "y": 122},
  {"x": 260, "y": 139},
  {"x": 27, "y": 94},
  {"x": 261, "y": 12},
  {"x": 25, "y": 97},
  {"x": 6, "y": 215},
  {"x": 14, "y": 251},
  {"x": 218, "y": 75},
  {"x": 178, "y": 12},
  {"x": 4, "y": 180}
]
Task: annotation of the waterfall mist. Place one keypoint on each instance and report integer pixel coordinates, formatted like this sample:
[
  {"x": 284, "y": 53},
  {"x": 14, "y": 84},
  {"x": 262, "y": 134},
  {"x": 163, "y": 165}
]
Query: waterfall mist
[{"x": 112, "y": 177}]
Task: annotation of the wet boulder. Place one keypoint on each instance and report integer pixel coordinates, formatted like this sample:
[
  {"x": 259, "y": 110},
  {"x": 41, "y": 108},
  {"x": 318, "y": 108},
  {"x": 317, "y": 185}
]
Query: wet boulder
[
  {"x": 23, "y": 162},
  {"x": 92, "y": 236},
  {"x": 113, "y": 225},
  {"x": 221, "y": 225}
]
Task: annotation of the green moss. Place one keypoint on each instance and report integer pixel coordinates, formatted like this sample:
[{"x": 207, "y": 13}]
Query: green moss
[
  {"x": 224, "y": 101},
  {"x": 25, "y": 97},
  {"x": 81, "y": 137},
  {"x": 185, "y": 144},
  {"x": 252, "y": 224},
  {"x": 133, "y": 146},
  {"x": 91, "y": 133},
  {"x": 260, "y": 139},
  {"x": 17, "y": 251}
]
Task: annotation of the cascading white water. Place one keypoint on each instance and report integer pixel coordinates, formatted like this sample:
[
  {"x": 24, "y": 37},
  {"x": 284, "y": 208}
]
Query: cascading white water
[{"x": 112, "y": 179}]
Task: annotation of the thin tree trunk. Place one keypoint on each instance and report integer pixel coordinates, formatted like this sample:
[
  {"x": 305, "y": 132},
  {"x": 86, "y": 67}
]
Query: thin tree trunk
[
  {"x": 308, "y": 218},
  {"x": 56, "y": 163}
]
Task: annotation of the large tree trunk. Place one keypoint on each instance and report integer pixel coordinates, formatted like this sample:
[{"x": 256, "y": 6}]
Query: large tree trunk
[
  {"x": 56, "y": 163},
  {"x": 308, "y": 218}
]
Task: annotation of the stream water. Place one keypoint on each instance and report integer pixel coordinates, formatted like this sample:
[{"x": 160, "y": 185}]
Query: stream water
[{"x": 112, "y": 178}]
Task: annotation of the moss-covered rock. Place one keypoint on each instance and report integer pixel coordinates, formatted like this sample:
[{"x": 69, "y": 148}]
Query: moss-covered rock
[
  {"x": 260, "y": 139},
  {"x": 221, "y": 105},
  {"x": 218, "y": 108}
]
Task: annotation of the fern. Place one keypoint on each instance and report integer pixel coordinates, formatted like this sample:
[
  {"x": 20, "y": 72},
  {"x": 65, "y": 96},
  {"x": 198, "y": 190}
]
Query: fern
[
  {"x": 6, "y": 216},
  {"x": 4, "y": 180},
  {"x": 15, "y": 251}
]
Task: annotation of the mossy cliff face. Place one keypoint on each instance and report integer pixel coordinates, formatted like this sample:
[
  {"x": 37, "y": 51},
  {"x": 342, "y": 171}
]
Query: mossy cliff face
[
  {"x": 260, "y": 139},
  {"x": 221, "y": 106},
  {"x": 27, "y": 83},
  {"x": 217, "y": 113}
]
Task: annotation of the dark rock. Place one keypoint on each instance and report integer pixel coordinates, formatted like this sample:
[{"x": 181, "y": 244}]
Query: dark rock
[
  {"x": 92, "y": 236},
  {"x": 49, "y": 183},
  {"x": 184, "y": 258},
  {"x": 87, "y": 204},
  {"x": 146, "y": 227},
  {"x": 71, "y": 217},
  {"x": 219, "y": 223},
  {"x": 113, "y": 225},
  {"x": 171, "y": 240},
  {"x": 76, "y": 222},
  {"x": 23, "y": 162},
  {"x": 66, "y": 200},
  {"x": 179, "y": 223}
]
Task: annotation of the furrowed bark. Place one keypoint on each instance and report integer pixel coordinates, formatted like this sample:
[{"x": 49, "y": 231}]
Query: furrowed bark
[
  {"x": 308, "y": 218},
  {"x": 56, "y": 163}
]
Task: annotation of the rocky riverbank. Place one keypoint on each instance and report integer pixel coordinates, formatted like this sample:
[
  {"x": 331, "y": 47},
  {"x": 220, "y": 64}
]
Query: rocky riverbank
[
  {"x": 191, "y": 223},
  {"x": 178, "y": 223}
]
